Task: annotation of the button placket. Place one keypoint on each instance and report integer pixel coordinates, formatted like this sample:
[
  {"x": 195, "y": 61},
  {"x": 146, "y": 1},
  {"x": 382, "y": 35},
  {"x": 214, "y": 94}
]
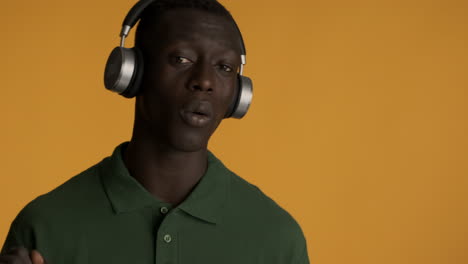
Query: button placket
[
  {"x": 167, "y": 238},
  {"x": 167, "y": 244},
  {"x": 164, "y": 210}
]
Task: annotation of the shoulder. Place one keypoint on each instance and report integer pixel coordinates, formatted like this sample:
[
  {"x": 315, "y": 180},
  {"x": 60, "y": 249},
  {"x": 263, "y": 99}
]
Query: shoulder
[
  {"x": 250, "y": 196},
  {"x": 271, "y": 229},
  {"x": 256, "y": 207},
  {"x": 53, "y": 212},
  {"x": 61, "y": 201}
]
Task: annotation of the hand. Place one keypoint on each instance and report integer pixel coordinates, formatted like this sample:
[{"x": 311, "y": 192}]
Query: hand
[{"x": 21, "y": 256}]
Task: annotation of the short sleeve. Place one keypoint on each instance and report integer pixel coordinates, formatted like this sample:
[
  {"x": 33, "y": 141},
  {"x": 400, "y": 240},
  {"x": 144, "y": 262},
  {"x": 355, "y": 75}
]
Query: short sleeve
[
  {"x": 21, "y": 234},
  {"x": 12, "y": 240}
]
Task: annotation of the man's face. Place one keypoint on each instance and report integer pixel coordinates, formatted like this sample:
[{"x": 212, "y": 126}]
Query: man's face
[{"x": 190, "y": 78}]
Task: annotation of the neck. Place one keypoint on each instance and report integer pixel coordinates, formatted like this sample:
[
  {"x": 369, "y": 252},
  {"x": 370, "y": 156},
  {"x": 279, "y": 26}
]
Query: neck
[{"x": 167, "y": 173}]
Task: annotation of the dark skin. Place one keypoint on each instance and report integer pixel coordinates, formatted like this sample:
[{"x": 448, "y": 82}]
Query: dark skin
[
  {"x": 197, "y": 60},
  {"x": 191, "y": 61}
]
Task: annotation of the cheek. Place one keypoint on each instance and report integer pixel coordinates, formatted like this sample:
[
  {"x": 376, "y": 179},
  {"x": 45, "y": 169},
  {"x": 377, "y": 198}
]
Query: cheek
[
  {"x": 228, "y": 96},
  {"x": 162, "y": 87}
]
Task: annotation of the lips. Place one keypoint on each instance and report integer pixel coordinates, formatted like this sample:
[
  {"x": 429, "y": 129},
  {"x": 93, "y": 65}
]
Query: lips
[{"x": 197, "y": 113}]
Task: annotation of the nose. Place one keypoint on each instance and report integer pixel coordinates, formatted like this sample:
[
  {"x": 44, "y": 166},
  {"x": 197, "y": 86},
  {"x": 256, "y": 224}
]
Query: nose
[{"x": 202, "y": 78}]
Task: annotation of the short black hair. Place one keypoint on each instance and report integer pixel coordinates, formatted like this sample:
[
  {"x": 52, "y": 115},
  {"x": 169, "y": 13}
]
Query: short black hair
[{"x": 150, "y": 16}]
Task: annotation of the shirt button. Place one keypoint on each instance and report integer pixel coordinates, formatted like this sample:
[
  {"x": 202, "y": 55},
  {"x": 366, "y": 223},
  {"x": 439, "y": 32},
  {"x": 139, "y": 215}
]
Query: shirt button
[
  {"x": 164, "y": 210},
  {"x": 168, "y": 238}
]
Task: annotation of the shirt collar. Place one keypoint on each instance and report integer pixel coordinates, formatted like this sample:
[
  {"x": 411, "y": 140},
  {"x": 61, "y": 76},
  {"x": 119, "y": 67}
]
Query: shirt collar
[{"x": 126, "y": 194}]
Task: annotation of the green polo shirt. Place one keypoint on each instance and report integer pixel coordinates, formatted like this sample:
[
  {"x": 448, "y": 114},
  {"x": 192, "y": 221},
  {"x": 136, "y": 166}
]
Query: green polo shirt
[{"x": 103, "y": 215}]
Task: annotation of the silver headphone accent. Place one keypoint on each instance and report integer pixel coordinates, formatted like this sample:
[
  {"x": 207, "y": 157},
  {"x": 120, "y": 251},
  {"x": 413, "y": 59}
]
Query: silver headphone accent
[
  {"x": 244, "y": 97},
  {"x": 124, "y": 67},
  {"x": 121, "y": 62}
]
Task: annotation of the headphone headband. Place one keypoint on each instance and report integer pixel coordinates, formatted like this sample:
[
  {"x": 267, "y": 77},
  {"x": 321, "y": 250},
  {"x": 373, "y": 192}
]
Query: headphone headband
[{"x": 134, "y": 15}]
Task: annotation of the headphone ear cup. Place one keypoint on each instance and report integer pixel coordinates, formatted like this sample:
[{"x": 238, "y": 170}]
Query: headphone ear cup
[
  {"x": 134, "y": 87},
  {"x": 119, "y": 70},
  {"x": 242, "y": 98}
]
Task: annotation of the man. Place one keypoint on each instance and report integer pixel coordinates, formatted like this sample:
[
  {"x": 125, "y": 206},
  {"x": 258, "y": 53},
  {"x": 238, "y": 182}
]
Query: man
[{"x": 163, "y": 197}]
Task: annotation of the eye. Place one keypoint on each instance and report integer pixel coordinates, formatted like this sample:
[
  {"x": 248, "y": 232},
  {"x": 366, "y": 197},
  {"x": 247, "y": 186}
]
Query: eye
[
  {"x": 182, "y": 60},
  {"x": 225, "y": 68}
]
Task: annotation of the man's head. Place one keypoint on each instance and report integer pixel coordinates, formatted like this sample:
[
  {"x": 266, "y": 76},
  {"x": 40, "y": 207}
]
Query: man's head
[{"x": 191, "y": 52}]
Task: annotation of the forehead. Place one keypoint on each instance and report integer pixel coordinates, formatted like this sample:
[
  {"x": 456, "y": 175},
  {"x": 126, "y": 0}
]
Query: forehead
[{"x": 192, "y": 26}]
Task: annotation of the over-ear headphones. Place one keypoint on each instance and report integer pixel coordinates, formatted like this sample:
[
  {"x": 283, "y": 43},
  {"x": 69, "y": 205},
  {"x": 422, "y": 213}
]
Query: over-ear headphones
[{"x": 124, "y": 67}]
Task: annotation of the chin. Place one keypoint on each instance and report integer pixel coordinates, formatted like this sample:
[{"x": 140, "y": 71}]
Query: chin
[{"x": 189, "y": 143}]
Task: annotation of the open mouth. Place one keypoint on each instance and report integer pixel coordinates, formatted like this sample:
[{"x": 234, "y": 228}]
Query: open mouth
[{"x": 197, "y": 113}]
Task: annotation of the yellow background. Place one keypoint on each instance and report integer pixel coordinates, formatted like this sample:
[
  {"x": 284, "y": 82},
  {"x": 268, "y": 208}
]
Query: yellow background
[{"x": 358, "y": 125}]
